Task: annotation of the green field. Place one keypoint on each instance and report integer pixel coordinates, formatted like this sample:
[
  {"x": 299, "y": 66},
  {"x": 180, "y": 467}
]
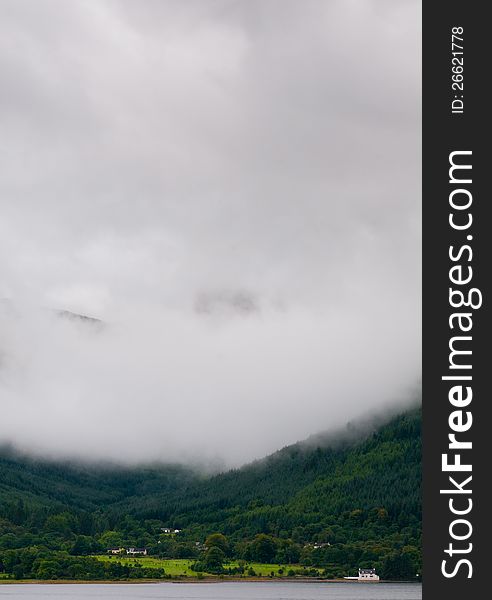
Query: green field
[
  {"x": 173, "y": 567},
  {"x": 181, "y": 567}
]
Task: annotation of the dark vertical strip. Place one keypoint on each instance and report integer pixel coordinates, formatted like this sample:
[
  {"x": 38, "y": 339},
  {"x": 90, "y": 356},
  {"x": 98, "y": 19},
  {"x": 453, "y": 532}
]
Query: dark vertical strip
[{"x": 444, "y": 132}]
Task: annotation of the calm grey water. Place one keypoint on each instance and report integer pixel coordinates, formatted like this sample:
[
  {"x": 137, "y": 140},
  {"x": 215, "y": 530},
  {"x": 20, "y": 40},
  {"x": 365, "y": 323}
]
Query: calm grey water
[{"x": 217, "y": 591}]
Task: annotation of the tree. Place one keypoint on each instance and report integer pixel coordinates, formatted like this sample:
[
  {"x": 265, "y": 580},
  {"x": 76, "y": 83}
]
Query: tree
[
  {"x": 111, "y": 539},
  {"x": 263, "y": 548},
  {"x": 62, "y": 523},
  {"x": 214, "y": 559},
  {"x": 218, "y": 540},
  {"x": 398, "y": 566},
  {"x": 288, "y": 553},
  {"x": 82, "y": 546},
  {"x": 184, "y": 550}
]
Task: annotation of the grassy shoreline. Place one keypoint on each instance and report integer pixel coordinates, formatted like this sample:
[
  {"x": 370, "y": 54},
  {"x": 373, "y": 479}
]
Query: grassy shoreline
[
  {"x": 190, "y": 580},
  {"x": 179, "y": 571}
]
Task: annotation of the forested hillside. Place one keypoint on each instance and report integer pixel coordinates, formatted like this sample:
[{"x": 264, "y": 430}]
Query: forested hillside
[{"x": 333, "y": 504}]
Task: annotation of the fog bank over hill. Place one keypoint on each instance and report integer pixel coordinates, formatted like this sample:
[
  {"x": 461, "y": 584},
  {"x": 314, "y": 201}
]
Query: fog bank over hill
[
  {"x": 233, "y": 190},
  {"x": 177, "y": 387}
]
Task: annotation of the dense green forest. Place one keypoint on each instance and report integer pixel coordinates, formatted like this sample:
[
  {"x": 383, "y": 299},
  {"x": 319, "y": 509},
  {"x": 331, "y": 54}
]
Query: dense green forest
[{"x": 334, "y": 504}]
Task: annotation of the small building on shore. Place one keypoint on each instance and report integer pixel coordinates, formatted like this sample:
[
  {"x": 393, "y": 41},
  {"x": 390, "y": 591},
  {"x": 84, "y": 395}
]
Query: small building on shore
[
  {"x": 368, "y": 575},
  {"x": 365, "y": 575}
]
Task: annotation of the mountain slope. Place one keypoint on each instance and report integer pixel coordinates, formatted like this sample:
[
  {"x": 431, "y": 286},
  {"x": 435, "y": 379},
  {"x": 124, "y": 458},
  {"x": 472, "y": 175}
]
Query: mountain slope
[
  {"x": 358, "y": 499},
  {"x": 62, "y": 485},
  {"x": 302, "y": 486}
]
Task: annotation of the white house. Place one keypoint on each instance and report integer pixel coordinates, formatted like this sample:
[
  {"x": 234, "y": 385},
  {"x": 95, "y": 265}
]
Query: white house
[
  {"x": 169, "y": 530},
  {"x": 365, "y": 575},
  {"x": 318, "y": 545},
  {"x": 368, "y": 575},
  {"x": 137, "y": 551}
]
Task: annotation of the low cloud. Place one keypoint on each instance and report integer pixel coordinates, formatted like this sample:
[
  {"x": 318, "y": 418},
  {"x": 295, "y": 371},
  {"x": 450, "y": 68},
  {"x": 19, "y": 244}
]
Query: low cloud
[{"x": 234, "y": 191}]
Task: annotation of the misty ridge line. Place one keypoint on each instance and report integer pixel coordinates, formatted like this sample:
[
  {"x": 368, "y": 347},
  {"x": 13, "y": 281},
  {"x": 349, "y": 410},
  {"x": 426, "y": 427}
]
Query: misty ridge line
[
  {"x": 354, "y": 433},
  {"x": 59, "y": 356}
]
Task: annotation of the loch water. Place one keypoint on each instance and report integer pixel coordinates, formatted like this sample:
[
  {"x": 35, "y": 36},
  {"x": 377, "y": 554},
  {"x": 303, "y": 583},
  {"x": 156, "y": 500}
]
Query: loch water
[{"x": 214, "y": 591}]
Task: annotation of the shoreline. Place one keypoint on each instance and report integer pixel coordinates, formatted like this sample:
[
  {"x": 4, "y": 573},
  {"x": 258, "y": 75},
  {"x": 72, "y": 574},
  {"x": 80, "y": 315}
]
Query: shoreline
[{"x": 190, "y": 580}]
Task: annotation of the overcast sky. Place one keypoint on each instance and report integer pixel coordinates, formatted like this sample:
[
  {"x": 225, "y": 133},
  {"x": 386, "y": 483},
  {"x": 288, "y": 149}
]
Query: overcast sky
[{"x": 233, "y": 188}]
